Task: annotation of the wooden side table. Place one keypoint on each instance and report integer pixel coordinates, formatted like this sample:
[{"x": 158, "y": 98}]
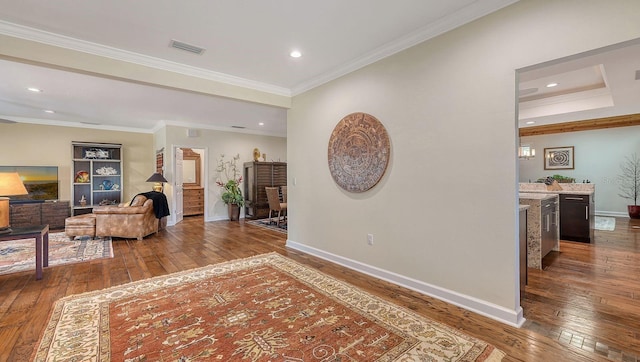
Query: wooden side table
[{"x": 41, "y": 234}]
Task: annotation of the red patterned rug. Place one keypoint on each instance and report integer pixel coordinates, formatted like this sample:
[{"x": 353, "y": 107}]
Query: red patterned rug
[{"x": 265, "y": 308}]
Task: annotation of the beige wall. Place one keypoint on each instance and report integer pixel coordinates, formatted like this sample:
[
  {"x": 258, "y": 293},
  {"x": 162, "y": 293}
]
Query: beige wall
[
  {"x": 444, "y": 215},
  {"x": 38, "y": 145},
  {"x": 215, "y": 143}
]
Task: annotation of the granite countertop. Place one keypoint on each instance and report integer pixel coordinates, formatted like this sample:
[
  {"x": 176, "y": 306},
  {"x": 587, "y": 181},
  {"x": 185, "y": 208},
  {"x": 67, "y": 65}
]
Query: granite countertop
[
  {"x": 537, "y": 195},
  {"x": 568, "y": 192},
  {"x": 567, "y": 188}
]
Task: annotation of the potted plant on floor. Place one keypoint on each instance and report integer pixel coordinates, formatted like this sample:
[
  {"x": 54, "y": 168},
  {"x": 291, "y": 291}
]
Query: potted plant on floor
[
  {"x": 231, "y": 192},
  {"x": 629, "y": 183}
]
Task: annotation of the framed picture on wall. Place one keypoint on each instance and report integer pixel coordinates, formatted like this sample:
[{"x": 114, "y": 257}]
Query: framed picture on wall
[{"x": 558, "y": 158}]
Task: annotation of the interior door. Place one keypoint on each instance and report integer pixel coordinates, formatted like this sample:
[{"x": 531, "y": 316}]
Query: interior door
[{"x": 179, "y": 211}]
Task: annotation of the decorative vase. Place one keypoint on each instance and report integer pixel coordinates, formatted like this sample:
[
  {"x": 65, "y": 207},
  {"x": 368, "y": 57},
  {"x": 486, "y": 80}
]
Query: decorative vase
[
  {"x": 234, "y": 212},
  {"x": 634, "y": 211}
]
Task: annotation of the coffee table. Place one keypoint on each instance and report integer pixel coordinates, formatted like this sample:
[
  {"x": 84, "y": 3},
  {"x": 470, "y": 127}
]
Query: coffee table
[{"x": 41, "y": 234}]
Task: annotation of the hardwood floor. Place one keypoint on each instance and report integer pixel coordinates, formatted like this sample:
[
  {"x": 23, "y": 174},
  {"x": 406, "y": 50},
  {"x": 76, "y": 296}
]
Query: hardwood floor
[
  {"x": 582, "y": 307},
  {"x": 588, "y": 295}
]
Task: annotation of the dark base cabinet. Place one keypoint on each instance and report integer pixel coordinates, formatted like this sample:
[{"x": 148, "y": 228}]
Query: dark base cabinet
[
  {"x": 577, "y": 219},
  {"x": 523, "y": 252},
  {"x": 33, "y": 214},
  {"x": 548, "y": 226}
]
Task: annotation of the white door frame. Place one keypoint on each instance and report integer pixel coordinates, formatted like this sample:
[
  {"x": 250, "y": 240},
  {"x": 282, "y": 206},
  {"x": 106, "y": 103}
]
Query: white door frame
[{"x": 204, "y": 178}]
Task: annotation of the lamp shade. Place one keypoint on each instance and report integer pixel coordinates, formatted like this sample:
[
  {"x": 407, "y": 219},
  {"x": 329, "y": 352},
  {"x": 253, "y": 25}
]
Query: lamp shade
[
  {"x": 11, "y": 184},
  {"x": 157, "y": 177}
]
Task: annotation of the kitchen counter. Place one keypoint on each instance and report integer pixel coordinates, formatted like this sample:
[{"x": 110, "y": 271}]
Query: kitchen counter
[
  {"x": 567, "y": 188},
  {"x": 537, "y": 196},
  {"x": 542, "y": 226},
  {"x": 577, "y": 207}
]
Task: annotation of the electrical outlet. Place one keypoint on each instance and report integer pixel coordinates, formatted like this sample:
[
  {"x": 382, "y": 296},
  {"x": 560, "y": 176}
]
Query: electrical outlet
[{"x": 370, "y": 239}]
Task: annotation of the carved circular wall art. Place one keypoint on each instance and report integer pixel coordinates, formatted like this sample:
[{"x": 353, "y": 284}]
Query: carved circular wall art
[{"x": 359, "y": 151}]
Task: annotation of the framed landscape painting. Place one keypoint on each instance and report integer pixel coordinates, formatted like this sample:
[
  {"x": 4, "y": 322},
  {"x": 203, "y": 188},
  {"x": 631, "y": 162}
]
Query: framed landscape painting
[{"x": 558, "y": 158}]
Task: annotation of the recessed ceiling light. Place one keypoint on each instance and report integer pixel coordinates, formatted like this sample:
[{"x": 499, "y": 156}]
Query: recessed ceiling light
[
  {"x": 531, "y": 122},
  {"x": 35, "y": 90},
  {"x": 551, "y": 85},
  {"x": 295, "y": 54},
  {"x": 261, "y": 124},
  {"x": 48, "y": 111}
]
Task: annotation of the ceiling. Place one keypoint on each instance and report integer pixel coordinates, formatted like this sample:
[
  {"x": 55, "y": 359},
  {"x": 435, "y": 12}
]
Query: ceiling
[
  {"x": 246, "y": 43},
  {"x": 596, "y": 84}
]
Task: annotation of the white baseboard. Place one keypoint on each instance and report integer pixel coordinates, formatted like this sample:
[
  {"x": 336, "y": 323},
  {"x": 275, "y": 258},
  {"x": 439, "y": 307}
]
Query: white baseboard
[
  {"x": 490, "y": 310},
  {"x": 612, "y": 213},
  {"x": 217, "y": 218}
]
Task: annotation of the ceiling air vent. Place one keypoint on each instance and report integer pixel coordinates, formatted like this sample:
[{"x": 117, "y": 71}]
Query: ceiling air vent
[
  {"x": 240, "y": 127},
  {"x": 637, "y": 74},
  {"x": 186, "y": 47}
]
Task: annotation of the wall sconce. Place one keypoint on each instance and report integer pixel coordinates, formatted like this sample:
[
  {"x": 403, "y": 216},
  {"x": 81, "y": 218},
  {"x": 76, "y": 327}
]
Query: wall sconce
[{"x": 526, "y": 152}]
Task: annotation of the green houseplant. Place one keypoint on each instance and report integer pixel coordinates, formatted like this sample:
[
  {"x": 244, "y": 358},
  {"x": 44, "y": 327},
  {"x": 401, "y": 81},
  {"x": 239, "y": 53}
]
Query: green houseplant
[
  {"x": 629, "y": 183},
  {"x": 231, "y": 192}
]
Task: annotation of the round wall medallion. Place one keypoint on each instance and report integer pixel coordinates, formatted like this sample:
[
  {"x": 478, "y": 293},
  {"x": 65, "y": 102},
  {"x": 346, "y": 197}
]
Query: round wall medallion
[{"x": 359, "y": 151}]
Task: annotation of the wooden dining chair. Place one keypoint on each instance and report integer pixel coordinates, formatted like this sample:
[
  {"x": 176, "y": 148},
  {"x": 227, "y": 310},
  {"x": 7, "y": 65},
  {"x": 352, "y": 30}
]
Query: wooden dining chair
[
  {"x": 283, "y": 190},
  {"x": 273, "y": 197}
]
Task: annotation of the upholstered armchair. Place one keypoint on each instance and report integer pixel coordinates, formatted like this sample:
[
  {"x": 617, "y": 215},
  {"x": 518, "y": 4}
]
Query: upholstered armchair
[{"x": 127, "y": 221}]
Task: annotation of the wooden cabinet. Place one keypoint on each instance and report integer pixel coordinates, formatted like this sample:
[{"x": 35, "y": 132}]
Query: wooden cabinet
[
  {"x": 41, "y": 213},
  {"x": 96, "y": 175},
  {"x": 549, "y": 226},
  {"x": 193, "y": 200},
  {"x": 577, "y": 219},
  {"x": 257, "y": 176}
]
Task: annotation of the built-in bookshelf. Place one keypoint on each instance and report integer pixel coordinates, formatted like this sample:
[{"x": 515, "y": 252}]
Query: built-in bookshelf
[{"x": 96, "y": 175}]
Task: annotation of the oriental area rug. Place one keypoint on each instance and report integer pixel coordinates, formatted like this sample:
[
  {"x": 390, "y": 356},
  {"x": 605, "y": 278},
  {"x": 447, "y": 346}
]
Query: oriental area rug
[
  {"x": 20, "y": 255},
  {"x": 264, "y": 308},
  {"x": 265, "y": 223}
]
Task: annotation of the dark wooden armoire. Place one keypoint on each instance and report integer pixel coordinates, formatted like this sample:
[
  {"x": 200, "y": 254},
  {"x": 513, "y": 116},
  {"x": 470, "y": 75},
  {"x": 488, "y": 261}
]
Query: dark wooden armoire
[{"x": 257, "y": 176}]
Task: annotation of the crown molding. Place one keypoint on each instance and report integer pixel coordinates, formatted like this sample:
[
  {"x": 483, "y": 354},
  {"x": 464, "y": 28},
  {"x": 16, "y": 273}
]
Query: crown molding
[
  {"x": 223, "y": 129},
  {"x": 158, "y": 126},
  {"x": 56, "y": 123},
  {"x": 474, "y": 11},
  {"x": 40, "y": 36}
]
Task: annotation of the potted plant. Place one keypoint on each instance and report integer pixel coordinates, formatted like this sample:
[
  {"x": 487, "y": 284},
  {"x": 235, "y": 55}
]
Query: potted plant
[
  {"x": 629, "y": 183},
  {"x": 231, "y": 194}
]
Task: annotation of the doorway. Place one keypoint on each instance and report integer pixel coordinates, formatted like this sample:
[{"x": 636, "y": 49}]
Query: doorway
[{"x": 190, "y": 186}]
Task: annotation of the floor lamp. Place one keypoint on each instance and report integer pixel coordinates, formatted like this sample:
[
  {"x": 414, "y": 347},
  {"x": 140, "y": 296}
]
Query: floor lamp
[
  {"x": 159, "y": 182},
  {"x": 10, "y": 184}
]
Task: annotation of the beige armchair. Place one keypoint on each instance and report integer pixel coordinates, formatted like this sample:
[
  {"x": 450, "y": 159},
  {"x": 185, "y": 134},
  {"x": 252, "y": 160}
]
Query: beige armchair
[{"x": 127, "y": 221}]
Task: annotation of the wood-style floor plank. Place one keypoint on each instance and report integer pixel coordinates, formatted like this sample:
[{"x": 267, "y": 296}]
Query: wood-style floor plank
[{"x": 583, "y": 307}]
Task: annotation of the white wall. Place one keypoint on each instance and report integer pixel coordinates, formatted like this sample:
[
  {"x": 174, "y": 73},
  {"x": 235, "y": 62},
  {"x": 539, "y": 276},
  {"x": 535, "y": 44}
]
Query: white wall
[
  {"x": 444, "y": 215},
  {"x": 213, "y": 143},
  {"x": 597, "y": 157}
]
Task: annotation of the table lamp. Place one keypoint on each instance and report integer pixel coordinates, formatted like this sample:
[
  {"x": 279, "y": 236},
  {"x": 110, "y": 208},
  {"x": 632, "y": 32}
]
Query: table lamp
[
  {"x": 159, "y": 181},
  {"x": 10, "y": 184}
]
